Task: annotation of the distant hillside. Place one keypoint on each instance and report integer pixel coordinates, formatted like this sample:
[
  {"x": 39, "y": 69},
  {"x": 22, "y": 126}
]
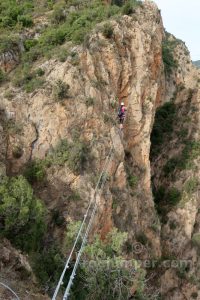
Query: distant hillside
[{"x": 197, "y": 63}]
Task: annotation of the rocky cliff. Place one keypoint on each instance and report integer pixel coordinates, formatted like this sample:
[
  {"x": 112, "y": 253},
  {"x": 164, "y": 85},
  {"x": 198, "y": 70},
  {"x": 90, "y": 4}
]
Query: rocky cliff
[{"x": 78, "y": 103}]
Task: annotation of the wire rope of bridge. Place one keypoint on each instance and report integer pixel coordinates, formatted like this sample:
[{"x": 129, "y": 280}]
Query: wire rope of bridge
[
  {"x": 84, "y": 241},
  {"x": 93, "y": 199},
  {"x": 8, "y": 288}
]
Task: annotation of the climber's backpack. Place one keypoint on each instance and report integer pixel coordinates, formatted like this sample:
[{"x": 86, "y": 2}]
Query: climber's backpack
[{"x": 120, "y": 112}]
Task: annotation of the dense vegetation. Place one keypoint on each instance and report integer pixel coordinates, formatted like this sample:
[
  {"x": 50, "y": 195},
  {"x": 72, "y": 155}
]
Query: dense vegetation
[
  {"x": 163, "y": 126},
  {"x": 22, "y": 214},
  {"x": 65, "y": 24},
  {"x": 104, "y": 275},
  {"x": 14, "y": 14},
  {"x": 185, "y": 160},
  {"x": 52, "y": 23},
  {"x": 165, "y": 199},
  {"x": 168, "y": 124}
]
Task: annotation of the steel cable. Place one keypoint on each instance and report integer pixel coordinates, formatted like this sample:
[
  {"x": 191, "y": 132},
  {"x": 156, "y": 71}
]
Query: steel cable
[
  {"x": 81, "y": 227},
  {"x": 66, "y": 294},
  {"x": 8, "y": 288}
]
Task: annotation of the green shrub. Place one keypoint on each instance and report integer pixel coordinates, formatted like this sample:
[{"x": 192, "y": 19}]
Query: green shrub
[
  {"x": 8, "y": 41},
  {"x": 27, "y": 79},
  {"x": 14, "y": 13},
  {"x": 47, "y": 266},
  {"x": 182, "y": 272},
  {"x": 183, "y": 133},
  {"x": 196, "y": 240},
  {"x": 108, "y": 30},
  {"x": 115, "y": 241},
  {"x": 170, "y": 166},
  {"x": 117, "y": 2},
  {"x": 57, "y": 218},
  {"x": 7, "y": 22},
  {"x": 32, "y": 54},
  {"x": 13, "y": 127},
  {"x": 60, "y": 154},
  {"x": 168, "y": 47},
  {"x": 130, "y": 6},
  {"x": 190, "y": 95},
  {"x": 22, "y": 75},
  {"x": 159, "y": 195},
  {"x": 58, "y": 16},
  {"x": 189, "y": 153},
  {"x": 75, "y": 154},
  {"x": 2, "y": 76},
  {"x": 17, "y": 151},
  {"x": 22, "y": 214},
  {"x": 52, "y": 37},
  {"x": 107, "y": 277},
  {"x": 165, "y": 199},
  {"x": 172, "y": 225},
  {"x": 194, "y": 295},
  {"x": 30, "y": 43},
  {"x": 35, "y": 171},
  {"x": 25, "y": 20},
  {"x": 142, "y": 238},
  {"x": 62, "y": 54},
  {"x": 132, "y": 181},
  {"x": 74, "y": 58},
  {"x": 61, "y": 90},
  {"x": 39, "y": 72},
  {"x": 89, "y": 101},
  {"x": 173, "y": 196},
  {"x": 9, "y": 94},
  {"x": 33, "y": 84},
  {"x": 191, "y": 185},
  {"x": 185, "y": 160},
  {"x": 74, "y": 197},
  {"x": 70, "y": 235},
  {"x": 78, "y": 156}
]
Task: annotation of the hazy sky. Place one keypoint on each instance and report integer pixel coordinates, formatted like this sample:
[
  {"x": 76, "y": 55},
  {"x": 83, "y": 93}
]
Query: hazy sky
[{"x": 182, "y": 18}]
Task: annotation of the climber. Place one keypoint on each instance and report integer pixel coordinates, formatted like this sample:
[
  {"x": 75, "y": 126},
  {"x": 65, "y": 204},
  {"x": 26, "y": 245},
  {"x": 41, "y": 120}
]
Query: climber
[{"x": 121, "y": 114}]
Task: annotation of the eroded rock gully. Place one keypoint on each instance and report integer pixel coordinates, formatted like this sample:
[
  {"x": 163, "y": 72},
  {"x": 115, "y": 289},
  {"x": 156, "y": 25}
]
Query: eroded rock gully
[{"x": 128, "y": 66}]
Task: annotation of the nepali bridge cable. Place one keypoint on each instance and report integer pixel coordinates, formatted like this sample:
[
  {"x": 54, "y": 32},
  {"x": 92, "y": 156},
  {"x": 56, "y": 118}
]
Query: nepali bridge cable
[
  {"x": 8, "y": 288},
  {"x": 93, "y": 201},
  {"x": 84, "y": 241}
]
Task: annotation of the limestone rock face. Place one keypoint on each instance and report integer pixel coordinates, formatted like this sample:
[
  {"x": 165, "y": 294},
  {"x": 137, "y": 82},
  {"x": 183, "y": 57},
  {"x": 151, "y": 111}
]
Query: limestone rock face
[{"x": 9, "y": 60}]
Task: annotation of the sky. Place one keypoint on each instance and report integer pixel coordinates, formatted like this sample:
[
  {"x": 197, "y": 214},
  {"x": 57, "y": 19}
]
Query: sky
[{"x": 182, "y": 19}]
